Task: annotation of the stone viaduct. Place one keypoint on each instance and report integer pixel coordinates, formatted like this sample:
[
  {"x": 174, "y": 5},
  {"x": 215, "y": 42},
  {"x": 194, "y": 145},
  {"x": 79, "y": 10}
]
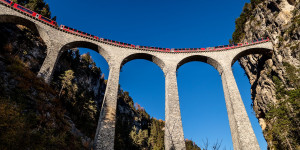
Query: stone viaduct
[{"x": 58, "y": 40}]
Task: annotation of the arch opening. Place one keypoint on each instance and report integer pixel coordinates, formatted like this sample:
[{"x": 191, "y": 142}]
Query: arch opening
[
  {"x": 88, "y": 45},
  {"x": 200, "y": 58},
  {"x": 262, "y": 51},
  {"x": 19, "y": 20},
  {"x": 142, "y": 96},
  {"x": 202, "y": 104},
  {"x": 79, "y": 77},
  {"x": 144, "y": 56}
]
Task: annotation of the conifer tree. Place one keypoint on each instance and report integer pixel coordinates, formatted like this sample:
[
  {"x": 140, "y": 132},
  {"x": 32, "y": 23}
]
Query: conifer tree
[{"x": 66, "y": 83}]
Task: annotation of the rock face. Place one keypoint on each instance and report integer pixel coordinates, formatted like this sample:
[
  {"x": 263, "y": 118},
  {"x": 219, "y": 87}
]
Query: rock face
[
  {"x": 23, "y": 43},
  {"x": 272, "y": 79}
]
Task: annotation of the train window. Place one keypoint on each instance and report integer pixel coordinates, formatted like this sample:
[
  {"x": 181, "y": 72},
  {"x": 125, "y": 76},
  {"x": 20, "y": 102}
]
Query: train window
[
  {"x": 8, "y": 1},
  {"x": 27, "y": 10},
  {"x": 44, "y": 18}
]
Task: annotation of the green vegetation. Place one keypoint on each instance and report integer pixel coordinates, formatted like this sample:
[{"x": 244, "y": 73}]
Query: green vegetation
[
  {"x": 284, "y": 118},
  {"x": 292, "y": 74},
  {"x": 71, "y": 82},
  {"x": 239, "y": 33},
  {"x": 31, "y": 116},
  {"x": 156, "y": 139},
  {"x": 148, "y": 134},
  {"x": 190, "y": 145}
]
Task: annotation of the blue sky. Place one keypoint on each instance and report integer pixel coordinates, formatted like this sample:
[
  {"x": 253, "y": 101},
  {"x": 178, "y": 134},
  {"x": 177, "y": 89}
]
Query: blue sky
[{"x": 171, "y": 24}]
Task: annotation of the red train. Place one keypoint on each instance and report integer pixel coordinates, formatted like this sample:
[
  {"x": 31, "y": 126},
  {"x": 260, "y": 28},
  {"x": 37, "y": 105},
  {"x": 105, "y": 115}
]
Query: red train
[
  {"x": 83, "y": 34},
  {"x": 30, "y": 12}
]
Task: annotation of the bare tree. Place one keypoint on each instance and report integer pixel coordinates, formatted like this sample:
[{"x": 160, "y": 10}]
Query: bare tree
[
  {"x": 205, "y": 144},
  {"x": 217, "y": 145}
]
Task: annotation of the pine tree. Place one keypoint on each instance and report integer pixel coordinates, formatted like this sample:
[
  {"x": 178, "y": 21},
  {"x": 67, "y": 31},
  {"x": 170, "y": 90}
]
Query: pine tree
[
  {"x": 156, "y": 139},
  {"x": 66, "y": 83}
]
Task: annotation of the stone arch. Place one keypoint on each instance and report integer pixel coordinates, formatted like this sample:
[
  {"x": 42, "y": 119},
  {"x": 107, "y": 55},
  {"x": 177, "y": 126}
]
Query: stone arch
[
  {"x": 29, "y": 24},
  {"x": 19, "y": 20},
  {"x": 259, "y": 50},
  {"x": 201, "y": 58},
  {"x": 145, "y": 56},
  {"x": 86, "y": 44}
]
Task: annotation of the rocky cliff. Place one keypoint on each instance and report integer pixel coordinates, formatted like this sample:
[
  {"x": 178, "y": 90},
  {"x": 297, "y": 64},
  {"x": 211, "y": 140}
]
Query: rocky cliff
[{"x": 274, "y": 81}]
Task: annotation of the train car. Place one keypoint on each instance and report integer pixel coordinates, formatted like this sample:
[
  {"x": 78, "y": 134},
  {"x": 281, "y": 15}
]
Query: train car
[
  {"x": 8, "y": 2},
  {"x": 47, "y": 20},
  {"x": 69, "y": 29},
  {"x": 25, "y": 10},
  {"x": 34, "y": 14}
]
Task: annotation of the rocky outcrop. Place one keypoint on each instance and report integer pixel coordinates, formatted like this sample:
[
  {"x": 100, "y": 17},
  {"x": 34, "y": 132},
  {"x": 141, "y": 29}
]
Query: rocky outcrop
[
  {"x": 20, "y": 41},
  {"x": 273, "y": 79}
]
